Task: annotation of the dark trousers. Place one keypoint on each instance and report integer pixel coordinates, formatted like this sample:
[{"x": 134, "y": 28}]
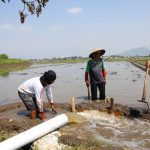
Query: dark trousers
[
  {"x": 101, "y": 88},
  {"x": 29, "y": 101}
]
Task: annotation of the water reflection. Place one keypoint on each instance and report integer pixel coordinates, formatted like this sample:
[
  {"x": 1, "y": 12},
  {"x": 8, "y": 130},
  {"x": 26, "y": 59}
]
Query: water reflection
[{"x": 5, "y": 74}]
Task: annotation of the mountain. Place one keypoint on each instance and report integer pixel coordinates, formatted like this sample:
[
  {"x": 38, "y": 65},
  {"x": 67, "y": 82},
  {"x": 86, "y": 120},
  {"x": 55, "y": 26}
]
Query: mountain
[{"x": 141, "y": 51}]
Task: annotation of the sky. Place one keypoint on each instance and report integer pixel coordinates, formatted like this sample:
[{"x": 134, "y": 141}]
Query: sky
[{"x": 74, "y": 27}]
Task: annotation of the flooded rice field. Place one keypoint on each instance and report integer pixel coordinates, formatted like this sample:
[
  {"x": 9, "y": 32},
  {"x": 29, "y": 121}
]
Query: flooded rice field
[{"x": 124, "y": 82}]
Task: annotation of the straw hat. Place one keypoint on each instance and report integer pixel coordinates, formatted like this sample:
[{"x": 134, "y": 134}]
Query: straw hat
[{"x": 97, "y": 50}]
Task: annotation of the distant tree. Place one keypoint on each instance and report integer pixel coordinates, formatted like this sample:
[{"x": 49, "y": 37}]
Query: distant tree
[
  {"x": 3, "y": 56},
  {"x": 32, "y": 6}
]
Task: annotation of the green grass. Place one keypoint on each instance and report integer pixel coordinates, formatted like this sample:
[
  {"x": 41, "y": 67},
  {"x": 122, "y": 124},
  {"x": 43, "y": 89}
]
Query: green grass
[
  {"x": 9, "y": 65},
  {"x": 12, "y": 61},
  {"x": 139, "y": 60},
  {"x": 55, "y": 61}
]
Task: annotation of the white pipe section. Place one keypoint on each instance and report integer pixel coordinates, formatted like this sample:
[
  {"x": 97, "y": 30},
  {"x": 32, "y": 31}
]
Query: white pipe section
[{"x": 34, "y": 133}]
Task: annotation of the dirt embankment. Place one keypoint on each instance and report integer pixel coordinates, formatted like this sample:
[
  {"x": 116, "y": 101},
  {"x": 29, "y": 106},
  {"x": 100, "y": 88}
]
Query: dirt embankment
[
  {"x": 14, "y": 118},
  {"x": 139, "y": 66}
]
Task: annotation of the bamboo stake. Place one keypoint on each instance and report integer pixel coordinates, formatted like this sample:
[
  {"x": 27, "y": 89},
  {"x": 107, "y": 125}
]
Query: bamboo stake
[
  {"x": 73, "y": 104},
  {"x": 112, "y": 103},
  {"x": 145, "y": 86}
]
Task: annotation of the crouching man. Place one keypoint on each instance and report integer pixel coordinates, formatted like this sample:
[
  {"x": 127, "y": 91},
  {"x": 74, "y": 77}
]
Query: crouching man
[{"x": 31, "y": 91}]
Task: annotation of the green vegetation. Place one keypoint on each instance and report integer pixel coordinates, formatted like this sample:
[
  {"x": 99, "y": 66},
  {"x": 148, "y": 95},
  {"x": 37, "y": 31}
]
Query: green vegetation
[
  {"x": 8, "y": 64},
  {"x": 62, "y": 60},
  {"x": 12, "y": 61},
  {"x": 4, "y": 59},
  {"x": 139, "y": 60},
  {"x": 3, "y": 56},
  {"x": 75, "y": 59},
  {"x": 5, "y": 136}
]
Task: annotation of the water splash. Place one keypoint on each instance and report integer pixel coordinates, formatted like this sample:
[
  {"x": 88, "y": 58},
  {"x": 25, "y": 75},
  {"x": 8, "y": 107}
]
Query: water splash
[
  {"x": 75, "y": 118},
  {"x": 116, "y": 131}
]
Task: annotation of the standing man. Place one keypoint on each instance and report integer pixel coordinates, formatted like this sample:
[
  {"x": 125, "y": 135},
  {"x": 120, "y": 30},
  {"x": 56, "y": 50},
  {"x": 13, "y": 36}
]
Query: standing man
[
  {"x": 95, "y": 73},
  {"x": 31, "y": 92}
]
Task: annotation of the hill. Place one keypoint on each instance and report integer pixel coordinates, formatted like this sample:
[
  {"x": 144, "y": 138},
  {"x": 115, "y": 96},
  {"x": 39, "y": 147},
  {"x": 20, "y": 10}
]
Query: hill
[{"x": 141, "y": 51}]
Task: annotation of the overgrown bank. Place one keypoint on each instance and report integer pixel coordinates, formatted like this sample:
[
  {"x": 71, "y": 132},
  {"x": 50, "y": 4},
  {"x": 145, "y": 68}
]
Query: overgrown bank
[
  {"x": 9, "y": 65},
  {"x": 138, "y": 60}
]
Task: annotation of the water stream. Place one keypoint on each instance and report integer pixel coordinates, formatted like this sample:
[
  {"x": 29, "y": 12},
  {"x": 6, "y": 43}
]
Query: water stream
[{"x": 124, "y": 133}]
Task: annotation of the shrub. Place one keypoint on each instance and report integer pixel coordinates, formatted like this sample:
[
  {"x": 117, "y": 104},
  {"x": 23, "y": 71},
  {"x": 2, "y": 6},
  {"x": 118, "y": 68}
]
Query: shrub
[{"x": 3, "y": 56}]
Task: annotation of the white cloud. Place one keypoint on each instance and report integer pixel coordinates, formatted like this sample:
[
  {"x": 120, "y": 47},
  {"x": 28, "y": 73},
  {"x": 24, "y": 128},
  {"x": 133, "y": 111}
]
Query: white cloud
[
  {"x": 74, "y": 10},
  {"x": 24, "y": 28},
  {"x": 6, "y": 26}
]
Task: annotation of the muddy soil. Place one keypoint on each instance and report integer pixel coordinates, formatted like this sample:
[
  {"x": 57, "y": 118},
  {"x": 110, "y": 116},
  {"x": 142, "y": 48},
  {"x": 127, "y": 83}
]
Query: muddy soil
[{"x": 14, "y": 118}]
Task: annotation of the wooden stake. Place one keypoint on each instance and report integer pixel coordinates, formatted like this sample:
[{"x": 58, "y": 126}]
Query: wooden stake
[
  {"x": 73, "y": 104},
  {"x": 145, "y": 86},
  {"x": 112, "y": 103}
]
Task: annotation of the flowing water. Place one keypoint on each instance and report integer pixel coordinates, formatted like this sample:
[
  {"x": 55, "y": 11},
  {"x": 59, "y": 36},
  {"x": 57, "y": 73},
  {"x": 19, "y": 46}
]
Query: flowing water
[{"x": 111, "y": 131}]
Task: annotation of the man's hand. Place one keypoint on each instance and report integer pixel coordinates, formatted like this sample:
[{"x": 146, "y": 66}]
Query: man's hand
[
  {"x": 53, "y": 108},
  {"x": 43, "y": 115}
]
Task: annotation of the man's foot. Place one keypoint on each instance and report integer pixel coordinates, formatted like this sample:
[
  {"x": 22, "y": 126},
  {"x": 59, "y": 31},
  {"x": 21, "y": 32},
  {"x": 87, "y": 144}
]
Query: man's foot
[{"x": 33, "y": 114}]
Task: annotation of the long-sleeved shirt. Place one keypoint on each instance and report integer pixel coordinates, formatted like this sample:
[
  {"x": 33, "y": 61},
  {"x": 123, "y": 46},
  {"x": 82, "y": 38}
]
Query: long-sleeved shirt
[{"x": 34, "y": 87}]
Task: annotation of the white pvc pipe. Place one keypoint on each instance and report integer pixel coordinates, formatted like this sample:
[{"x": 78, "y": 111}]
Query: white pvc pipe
[{"x": 34, "y": 133}]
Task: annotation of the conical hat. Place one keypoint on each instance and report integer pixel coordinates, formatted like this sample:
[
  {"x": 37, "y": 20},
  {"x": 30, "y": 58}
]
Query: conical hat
[{"x": 97, "y": 50}]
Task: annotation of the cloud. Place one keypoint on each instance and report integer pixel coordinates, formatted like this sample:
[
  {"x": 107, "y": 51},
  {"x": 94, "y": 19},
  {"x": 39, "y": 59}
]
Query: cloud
[
  {"x": 24, "y": 28},
  {"x": 74, "y": 10},
  {"x": 6, "y": 26}
]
